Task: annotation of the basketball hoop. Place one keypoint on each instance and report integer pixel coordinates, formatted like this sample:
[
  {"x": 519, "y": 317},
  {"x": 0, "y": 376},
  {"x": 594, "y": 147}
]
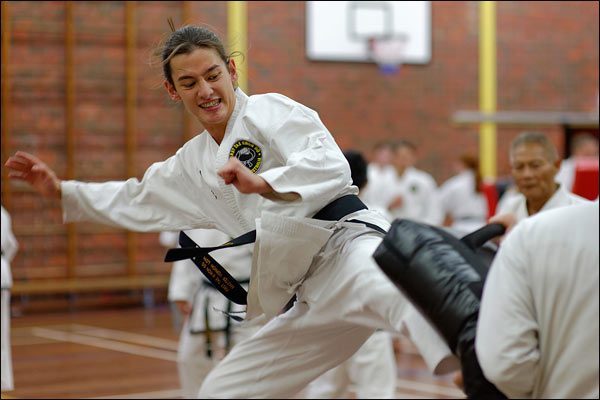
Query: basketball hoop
[{"x": 388, "y": 52}]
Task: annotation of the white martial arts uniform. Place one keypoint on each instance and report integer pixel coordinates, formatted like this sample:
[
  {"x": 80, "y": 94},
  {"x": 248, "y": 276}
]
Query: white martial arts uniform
[
  {"x": 517, "y": 203},
  {"x": 537, "y": 335},
  {"x": 379, "y": 180},
  {"x": 188, "y": 284},
  {"x": 342, "y": 296},
  {"x": 420, "y": 197},
  {"x": 9, "y": 249},
  {"x": 467, "y": 208}
]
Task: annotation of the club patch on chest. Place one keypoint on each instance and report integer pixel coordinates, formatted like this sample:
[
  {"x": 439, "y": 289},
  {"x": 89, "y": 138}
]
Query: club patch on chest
[{"x": 248, "y": 153}]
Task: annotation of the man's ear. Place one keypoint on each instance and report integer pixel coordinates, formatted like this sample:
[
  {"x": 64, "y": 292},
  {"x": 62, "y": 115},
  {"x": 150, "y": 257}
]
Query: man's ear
[{"x": 171, "y": 90}]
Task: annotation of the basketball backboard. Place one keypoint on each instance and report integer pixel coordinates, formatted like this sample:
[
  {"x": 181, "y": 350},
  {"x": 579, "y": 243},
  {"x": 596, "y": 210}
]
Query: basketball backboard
[{"x": 340, "y": 30}]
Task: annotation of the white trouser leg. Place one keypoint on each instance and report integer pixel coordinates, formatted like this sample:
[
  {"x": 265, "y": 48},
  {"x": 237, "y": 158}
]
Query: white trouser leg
[
  {"x": 372, "y": 368},
  {"x": 283, "y": 357},
  {"x": 333, "y": 384},
  {"x": 192, "y": 362},
  {"x": 193, "y": 365},
  {"x": 6, "y": 359}
]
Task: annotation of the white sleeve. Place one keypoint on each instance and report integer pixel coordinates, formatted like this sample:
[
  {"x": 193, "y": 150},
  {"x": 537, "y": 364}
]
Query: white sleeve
[
  {"x": 184, "y": 282},
  {"x": 169, "y": 239},
  {"x": 163, "y": 200},
  {"x": 314, "y": 166},
  {"x": 506, "y": 341},
  {"x": 435, "y": 352},
  {"x": 10, "y": 245}
]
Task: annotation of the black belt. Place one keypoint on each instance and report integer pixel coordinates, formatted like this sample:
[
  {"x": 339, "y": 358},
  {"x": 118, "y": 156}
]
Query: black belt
[{"x": 221, "y": 279}]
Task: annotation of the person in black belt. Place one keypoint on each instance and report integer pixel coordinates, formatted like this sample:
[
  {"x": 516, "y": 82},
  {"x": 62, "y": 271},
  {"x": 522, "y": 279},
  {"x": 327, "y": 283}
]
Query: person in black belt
[{"x": 265, "y": 163}]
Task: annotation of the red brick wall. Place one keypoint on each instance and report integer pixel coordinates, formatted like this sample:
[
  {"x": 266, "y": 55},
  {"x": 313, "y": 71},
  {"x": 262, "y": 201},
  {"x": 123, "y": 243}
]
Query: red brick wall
[{"x": 547, "y": 60}]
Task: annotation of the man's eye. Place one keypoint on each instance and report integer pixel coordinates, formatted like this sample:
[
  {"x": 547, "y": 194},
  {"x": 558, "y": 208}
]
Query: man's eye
[
  {"x": 213, "y": 77},
  {"x": 187, "y": 85}
]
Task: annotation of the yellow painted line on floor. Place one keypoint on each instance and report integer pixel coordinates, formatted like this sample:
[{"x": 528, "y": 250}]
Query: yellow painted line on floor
[{"x": 105, "y": 344}]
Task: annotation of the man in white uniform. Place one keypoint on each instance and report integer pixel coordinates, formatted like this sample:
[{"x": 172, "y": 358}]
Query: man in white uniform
[
  {"x": 268, "y": 163},
  {"x": 381, "y": 174},
  {"x": 207, "y": 333},
  {"x": 414, "y": 194},
  {"x": 537, "y": 335},
  {"x": 9, "y": 249},
  {"x": 534, "y": 163}
]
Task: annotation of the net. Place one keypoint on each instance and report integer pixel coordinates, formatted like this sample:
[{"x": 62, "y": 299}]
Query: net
[{"x": 388, "y": 53}]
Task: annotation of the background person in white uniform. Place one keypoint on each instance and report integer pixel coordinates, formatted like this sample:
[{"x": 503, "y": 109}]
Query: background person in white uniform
[
  {"x": 414, "y": 194},
  {"x": 289, "y": 170},
  {"x": 584, "y": 145},
  {"x": 9, "y": 249},
  {"x": 537, "y": 335},
  {"x": 381, "y": 174},
  {"x": 534, "y": 163},
  {"x": 202, "y": 346}
]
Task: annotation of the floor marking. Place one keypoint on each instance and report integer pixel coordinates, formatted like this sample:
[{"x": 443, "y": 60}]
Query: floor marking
[
  {"x": 105, "y": 344},
  {"x": 161, "y": 394},
  {"x": 429, "y": 388},
  {"x": 136, "y": 338},
  {"x": 406, "y": 395}
]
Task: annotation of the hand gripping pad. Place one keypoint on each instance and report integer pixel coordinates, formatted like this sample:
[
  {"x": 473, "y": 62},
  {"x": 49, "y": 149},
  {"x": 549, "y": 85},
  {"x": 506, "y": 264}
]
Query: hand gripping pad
[{"x": 443, "y": 277}]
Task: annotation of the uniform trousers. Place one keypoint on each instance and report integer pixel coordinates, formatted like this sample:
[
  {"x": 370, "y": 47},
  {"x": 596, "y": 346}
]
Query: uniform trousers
[
  {"x": 193, "y": 362},
  {"x": 7, "y": 372},
  {"x": 343, "y": 300},
  {"x": 370, "y": 373}
]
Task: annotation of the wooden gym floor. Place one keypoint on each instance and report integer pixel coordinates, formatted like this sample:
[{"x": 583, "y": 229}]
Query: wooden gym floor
[{"x": 131, "y": 353}]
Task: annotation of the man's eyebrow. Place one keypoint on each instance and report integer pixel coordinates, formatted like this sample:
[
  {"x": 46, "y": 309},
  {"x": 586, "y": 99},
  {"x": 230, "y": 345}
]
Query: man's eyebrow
[{"x": 210, "y": 69}]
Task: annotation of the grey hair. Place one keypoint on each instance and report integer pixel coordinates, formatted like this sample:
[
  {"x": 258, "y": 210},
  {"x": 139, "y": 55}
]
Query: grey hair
[{"x": 535, "y": 138}]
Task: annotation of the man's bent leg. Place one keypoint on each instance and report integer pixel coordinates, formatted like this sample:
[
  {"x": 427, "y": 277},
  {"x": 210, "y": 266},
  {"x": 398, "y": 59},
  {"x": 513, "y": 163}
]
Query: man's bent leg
[{"x": 284, "y": 356}]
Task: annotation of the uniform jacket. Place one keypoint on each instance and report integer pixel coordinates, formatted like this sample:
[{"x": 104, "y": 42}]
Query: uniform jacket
[
  {"x": 517, "y": 203},
  {"x": 277, "y": 138}
]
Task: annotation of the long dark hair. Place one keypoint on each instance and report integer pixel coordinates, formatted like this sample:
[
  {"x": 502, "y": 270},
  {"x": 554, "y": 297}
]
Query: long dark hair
[{"x": 185, "y": 40}]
